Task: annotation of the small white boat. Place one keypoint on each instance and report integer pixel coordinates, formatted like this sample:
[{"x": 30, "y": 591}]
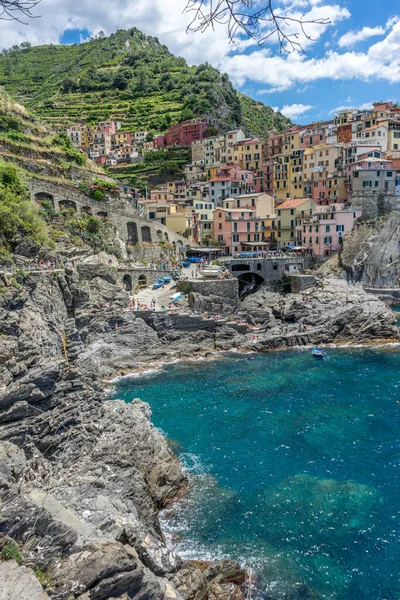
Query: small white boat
[
  {"x": 177, "y": 297},
  {"x": 318, "y": 353}
]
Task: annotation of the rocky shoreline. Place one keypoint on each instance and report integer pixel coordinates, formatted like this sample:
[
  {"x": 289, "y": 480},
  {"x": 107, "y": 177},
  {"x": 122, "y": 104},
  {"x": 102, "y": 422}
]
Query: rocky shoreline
[{"x": 82, "y": 480}]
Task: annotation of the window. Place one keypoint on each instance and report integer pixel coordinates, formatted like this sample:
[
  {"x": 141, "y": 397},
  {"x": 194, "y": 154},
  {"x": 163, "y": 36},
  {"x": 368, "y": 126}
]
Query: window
[
  {"x": 367, "y": 184},
  {"x": 327, "y": 228},
  {"x": 235, "y": 238},
  {"x": 219, "y": 215},
  {"x": 316, "y": 240},
  {"x": 220, "y": 238},
  {"x": 279, "y": 214},
  {"x": 219, "y": 225},
  {"x": 279, "y": 234},
  {"x": 327, "y": 240},
  {"x": 389, "y": 174},
  {"x": 339, "y": 227}
]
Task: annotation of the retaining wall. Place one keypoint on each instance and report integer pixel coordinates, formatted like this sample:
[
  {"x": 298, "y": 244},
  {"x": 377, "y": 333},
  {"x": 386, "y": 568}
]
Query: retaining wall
[
  {"x": 121, "y": 211},
  {"x": 375, "y": 204}
]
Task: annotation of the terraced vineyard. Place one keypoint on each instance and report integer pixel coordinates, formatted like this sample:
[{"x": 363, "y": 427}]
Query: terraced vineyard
[{"x": 130, "y": 77}]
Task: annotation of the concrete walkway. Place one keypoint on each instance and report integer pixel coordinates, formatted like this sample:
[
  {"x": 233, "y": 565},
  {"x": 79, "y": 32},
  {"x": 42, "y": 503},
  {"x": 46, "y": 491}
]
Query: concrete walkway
[{"x": 163, "y": 296}]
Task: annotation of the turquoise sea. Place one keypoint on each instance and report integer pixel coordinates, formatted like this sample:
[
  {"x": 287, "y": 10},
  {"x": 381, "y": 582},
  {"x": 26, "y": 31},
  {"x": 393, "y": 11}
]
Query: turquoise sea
[{"x": 294, "y": 464}]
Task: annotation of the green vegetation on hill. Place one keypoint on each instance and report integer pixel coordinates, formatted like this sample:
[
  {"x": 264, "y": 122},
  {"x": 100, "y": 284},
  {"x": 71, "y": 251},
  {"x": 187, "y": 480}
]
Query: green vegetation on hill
[
  {"x": 18, "y": 216},
  {"x": 127, "y": 76},
  {"x": 260, "y": 119},
  {"x": 36, "y": 149},
  {"x": 154, "y": 168}
]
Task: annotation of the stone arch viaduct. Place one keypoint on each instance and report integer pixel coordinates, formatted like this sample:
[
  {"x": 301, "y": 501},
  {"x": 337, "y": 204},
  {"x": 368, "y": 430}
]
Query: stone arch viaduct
[
  {"x": 264, "y": 270},
  {"x": 121, "y": 211}
]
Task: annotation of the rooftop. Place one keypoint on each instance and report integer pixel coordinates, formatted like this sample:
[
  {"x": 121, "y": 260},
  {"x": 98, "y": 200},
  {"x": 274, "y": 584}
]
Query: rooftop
[{"x": 292, "y": 203}]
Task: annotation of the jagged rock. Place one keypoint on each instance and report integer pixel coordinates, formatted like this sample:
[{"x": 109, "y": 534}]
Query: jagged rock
[
  {"x": 81, "y": 479},
  {"x": 19, "y": 583}
]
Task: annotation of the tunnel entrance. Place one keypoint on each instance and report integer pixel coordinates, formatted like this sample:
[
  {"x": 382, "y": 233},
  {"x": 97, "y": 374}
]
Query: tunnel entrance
[
  {"x": 127, "y": 281},
  {"x": 249, "y": 283}
]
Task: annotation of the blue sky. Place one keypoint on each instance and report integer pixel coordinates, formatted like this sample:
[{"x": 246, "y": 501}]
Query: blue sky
[{"x": 353, "y": 61}]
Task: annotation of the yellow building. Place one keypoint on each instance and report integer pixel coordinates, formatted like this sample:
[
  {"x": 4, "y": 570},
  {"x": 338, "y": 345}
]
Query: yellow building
[
  {"x": 280, "y": 177},
  {"x": 250, "y": 153},
  {"x": 290, "y": 216},
  {"x": 290, "y": 142},
  {"x": 261, "y": 203}
]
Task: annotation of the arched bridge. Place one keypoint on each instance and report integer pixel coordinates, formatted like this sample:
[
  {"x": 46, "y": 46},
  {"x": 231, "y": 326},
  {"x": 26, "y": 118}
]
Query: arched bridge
[
  {"x": 266, "y": 270},
  {"x": 121, "y": 211}
]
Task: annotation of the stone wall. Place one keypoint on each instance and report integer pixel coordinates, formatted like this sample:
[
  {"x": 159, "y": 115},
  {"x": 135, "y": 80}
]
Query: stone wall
[
  {"x": 131, "y": 277},
  {"x": 119, "y": 209},
  {"x": 299, "y": 282},
  {"x": 267, "y": 270},
  {"x": 216, "y": 296},
  {"x": 375, "y": 204}
]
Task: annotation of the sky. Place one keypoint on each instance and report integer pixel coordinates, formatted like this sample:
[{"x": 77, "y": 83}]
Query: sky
[{"x": 351, "y": 61}]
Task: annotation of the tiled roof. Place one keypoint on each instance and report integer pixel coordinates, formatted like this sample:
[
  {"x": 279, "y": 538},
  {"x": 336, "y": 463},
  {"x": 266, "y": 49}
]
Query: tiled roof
[{"x": 292, "y": 203}]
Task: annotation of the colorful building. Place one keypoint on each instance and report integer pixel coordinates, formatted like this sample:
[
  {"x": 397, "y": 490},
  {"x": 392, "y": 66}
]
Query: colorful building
[{"x": 238, "y": 229}]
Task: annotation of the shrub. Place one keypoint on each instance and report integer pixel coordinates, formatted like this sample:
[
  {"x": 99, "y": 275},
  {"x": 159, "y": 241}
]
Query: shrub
[
  {"x": 97, "y": 195},
  {"x": 18, "y": 216},
  {"x": 11, "y": 551},
  {"x": 93, "y": 225}
]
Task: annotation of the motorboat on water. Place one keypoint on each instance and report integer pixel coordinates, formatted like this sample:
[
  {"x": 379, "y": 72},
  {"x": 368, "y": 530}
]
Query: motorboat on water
[{"x": 318, "y": 353}]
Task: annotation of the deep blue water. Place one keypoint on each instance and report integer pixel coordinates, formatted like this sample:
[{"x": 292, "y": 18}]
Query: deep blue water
[{"x": 294, "y": 463}]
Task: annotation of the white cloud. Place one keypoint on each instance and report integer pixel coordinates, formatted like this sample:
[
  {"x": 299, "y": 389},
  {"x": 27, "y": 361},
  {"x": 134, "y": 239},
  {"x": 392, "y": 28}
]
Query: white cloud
[
  {"x": 381, "y": 61},
  {"x": 352, "y": 37},
  {"x": 295, "y": 110},
  {"x": 365, "y": 106}
]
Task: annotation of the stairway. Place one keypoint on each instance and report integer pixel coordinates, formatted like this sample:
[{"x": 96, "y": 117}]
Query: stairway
[{"x": 73, "y": 340}]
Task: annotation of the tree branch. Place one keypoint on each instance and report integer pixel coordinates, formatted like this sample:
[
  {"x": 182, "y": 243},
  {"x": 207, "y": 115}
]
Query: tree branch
[
  {"x": 16, "y": 10},
  {"x": 239, "y": 18}
]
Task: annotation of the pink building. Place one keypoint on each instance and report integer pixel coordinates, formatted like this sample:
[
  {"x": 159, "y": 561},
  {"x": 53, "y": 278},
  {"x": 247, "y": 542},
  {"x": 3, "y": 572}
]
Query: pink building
[
  {"x": 312, "y": 135},
  {"x": 159, "y": 142},
  {"x": 183, "y": 134},
  {"x": 235, "y": 172},
  {"x": 326, "y": 228},
  {"x": 107, "y": 127},
  {"x": 236, "y": 229}
]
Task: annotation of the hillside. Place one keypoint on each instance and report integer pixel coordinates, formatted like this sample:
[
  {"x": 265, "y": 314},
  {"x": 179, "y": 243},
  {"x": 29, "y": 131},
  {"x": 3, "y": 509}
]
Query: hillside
[
  {"x": 127, "y": 76},
  {"x": 260, "y": 119}
]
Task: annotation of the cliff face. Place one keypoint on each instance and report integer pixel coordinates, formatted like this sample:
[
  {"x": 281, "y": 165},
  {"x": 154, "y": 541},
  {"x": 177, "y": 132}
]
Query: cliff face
[
  {"x": 82, "y": 479},
  {"x": 371, "y": 252}
]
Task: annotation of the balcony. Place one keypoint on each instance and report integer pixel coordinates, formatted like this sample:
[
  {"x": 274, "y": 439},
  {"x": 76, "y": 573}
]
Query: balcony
[{"x": 251, "y": 218}]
